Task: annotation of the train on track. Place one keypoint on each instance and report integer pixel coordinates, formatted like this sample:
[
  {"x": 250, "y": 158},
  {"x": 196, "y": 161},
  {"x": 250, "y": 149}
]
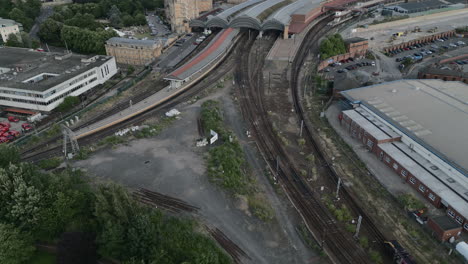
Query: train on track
[{"x": 399, "y": 254}]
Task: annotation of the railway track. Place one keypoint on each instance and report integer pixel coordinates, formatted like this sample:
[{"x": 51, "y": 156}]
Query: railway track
[
  {"x": 236, "y": 253},
  {"x": 340, "y": 246},
  {"x": 311, "y": 44},
  {"x": 166, "y": 202},
  {"x": 220, "y": 71}
]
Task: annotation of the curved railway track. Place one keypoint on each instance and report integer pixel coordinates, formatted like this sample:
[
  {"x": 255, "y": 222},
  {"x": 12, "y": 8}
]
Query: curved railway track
[
  {"x": 221, "y": 70},
  {"x": 311, "y": 44},
  {"x": 340, "y": 246}
]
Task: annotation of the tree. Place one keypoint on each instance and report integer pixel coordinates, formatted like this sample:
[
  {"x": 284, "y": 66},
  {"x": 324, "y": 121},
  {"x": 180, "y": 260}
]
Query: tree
[
  {"x": 8, "y": 154},
  {"x": 140, "y": 19},
  {"x": 16, "y": 247},
  {"x": 68, "y": 103},
  {"x": 19, "y": 16},
  {"x": 6, "y": 7},
  {"x": 49, "y": 31},
  {"x": 128, "y": 20},
  {"x": 114, "y": 16},
  {"x": 76, "y": 248},
  {"x": 13, "y": 41}
]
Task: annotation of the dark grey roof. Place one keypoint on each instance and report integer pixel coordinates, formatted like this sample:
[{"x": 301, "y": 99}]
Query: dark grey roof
[
  {"x": 137, "y": 42},
  {"x": 32, "y": 63},
  {"x": 445, "y": 222},
  {"x": 425, "y": 5},
  {"x": 431, "y": 112},
  {"x": 354, "y": 40}
]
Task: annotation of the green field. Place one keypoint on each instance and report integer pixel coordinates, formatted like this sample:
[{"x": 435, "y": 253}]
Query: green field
[{"x": 42, "y": 257}]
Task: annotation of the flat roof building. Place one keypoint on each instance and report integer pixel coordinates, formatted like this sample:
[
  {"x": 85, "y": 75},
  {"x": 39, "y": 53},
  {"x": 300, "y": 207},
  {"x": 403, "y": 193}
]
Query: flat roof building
[
  {"x": 7, "y": 27},
  {"x": 431, "y": 119},
  {"x": 133, "y": 51},
  {"x": 40, "y": 80}
]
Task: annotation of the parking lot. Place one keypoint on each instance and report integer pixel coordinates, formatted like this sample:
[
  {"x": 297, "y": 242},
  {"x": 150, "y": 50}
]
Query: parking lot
[
  {"x": 351, "y": 65},
  {"x": 14, "y": 131},
  {"x": 430, "y": 49},
  {"x": 157, "y": 27}
]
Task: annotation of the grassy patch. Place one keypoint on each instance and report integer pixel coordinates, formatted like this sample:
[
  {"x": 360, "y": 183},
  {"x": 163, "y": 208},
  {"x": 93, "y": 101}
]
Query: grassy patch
[
  {"x": 156, "y": 129},
  {"x": 350, "y": 228},
  {"x": 112, "y": 140},
  {"x": 212, "y": 118},
  {"x": 83, "y": 154},
  {"x": 49, "y": 164},
  {"x": 375, "y": 257},
  {"x": 225, "y": 164},
  {"x": 260, "y": 208},
  {"x": 410, "y": 202},
  {"x": 42, "y": 257}
]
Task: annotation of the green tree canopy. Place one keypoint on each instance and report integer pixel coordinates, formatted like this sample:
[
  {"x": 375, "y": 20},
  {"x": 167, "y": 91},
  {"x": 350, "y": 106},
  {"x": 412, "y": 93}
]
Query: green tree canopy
[
  {"x": 16, "y": 247},
  {"x": 50, "y": 30}
]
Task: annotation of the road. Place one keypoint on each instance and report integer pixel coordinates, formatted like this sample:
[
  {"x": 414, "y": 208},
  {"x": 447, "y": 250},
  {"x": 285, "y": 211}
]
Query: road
[
  {"x": 175, "y": 54},
  {"x": 46, "y": 12},
  {"x": 156, "y": 26}
]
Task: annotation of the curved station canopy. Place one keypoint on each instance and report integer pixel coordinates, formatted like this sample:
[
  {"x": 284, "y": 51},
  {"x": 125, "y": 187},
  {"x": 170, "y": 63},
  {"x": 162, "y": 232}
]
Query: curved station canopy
[{"x": 251, "y": 14}]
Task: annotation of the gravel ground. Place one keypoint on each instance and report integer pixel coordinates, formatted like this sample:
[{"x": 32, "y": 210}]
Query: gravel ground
[{"x": 176, "y": 168}]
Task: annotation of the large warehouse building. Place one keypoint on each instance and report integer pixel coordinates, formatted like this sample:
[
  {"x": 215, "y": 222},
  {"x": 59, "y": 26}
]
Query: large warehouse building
[
  {"x": 419, "y": 129},
  {"x": 40, "y": 81}
]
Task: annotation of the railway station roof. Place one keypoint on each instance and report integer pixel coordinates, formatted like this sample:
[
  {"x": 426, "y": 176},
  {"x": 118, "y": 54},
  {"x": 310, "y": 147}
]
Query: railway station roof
[
  {"x": 222, "y": 19},
  {"x": 282, "y": 17},
  {"x": 251, "y": 17}
]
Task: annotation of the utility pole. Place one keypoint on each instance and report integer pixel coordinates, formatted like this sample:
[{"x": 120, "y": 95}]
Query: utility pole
[
  {"x": 277, "y": 165},
  {"x": 302, "y": 127},
  {"x": 356, "y": 236},
  {"x": 68, "y": 135},
  {"x": 338, "y": 188}
]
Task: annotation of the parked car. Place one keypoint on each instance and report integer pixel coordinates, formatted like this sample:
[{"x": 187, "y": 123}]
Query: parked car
[
  {"x": 14, "y": 133},
  {"x": 5, "y": 124},
  {"x": 13, "y": 119},
  {"x": 26, "y": 127}
]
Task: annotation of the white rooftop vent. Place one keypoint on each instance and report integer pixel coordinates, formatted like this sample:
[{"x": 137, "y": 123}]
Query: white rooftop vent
[
  {"x": 434, "y": 167},
  {"x": 450, "y": 180},
  {"x": 394, "y": 91}
]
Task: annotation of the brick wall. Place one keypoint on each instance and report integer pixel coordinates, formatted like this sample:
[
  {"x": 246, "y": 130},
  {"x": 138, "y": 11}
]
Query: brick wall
[{"x": 442, "y": 235}]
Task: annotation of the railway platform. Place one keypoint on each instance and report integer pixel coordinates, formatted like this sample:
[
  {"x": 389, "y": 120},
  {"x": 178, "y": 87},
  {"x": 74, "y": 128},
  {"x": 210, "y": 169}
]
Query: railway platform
[
  {"x": 186, "y": 75},
  {"x": 218, "y": 46}
]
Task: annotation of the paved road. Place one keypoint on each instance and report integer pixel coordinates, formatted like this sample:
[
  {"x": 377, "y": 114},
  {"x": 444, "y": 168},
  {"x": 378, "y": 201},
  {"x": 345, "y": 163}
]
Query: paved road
[
  {"x": 46, "y": 12},
  {"x": 156, "y": 25},
  {"x": 175, "y": 54}
]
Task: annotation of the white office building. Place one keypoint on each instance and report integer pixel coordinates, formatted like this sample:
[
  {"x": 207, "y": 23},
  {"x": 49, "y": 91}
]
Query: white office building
[{"x": 41, "y": 80}]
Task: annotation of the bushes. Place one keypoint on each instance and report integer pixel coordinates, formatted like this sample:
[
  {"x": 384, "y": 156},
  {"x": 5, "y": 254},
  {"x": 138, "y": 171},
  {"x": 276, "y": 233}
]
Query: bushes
[
  {"x": 36, "y": 206},
  {"x": 211, "y": 117},
  {"x": 410, "y": 202},
  {"x": 225, "y": 166},
  {"x": 49, "y": 164},
  {"x": 260, "y": 208},
  {"x": 331, "y": 46},
  {"x": 68, "y": 103}
]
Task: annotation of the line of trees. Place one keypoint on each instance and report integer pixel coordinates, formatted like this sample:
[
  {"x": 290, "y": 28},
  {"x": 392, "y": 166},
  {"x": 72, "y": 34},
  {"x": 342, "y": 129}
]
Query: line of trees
[
  {"x": 88, "y": 222},
  {"x": 331, "y": 46},
  {"x": 80, "y": 25},
  {"x": 24, "y": 12}
]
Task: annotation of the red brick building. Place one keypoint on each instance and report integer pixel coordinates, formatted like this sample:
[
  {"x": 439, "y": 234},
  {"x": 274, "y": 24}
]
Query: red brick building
[
  {"x": 415, "y": 128},
  {"x": 443, "y": 227}
]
